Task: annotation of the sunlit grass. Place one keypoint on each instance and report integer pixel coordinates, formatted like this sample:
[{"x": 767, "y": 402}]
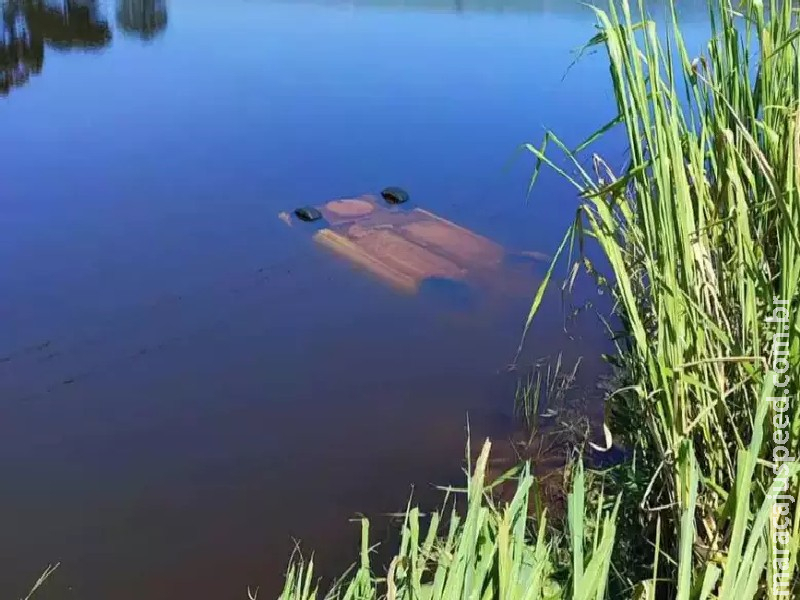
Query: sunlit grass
[{"x": 701, "y": 232}]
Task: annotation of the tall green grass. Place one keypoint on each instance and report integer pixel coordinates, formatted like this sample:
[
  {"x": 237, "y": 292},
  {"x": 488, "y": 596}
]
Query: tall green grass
[{"x": 700, "y": 231}]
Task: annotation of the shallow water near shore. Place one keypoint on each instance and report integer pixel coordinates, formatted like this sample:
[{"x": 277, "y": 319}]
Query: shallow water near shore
[{"x": 187, "y": 385}]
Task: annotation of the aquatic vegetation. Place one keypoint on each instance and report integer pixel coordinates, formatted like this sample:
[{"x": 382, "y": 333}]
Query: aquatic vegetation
[{"x": 701, "y": 234}]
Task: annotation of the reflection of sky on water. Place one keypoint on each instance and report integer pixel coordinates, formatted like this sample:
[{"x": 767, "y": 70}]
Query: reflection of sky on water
[
  {"x": 27, "y": 25},
  {"x": 687, "y": 7}
]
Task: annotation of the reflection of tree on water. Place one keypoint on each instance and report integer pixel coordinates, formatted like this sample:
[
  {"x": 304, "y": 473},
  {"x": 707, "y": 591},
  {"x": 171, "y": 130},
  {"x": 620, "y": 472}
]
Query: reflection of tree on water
[
  {"x": 69, "y": 23},
  {"x": 144, "y": 19},
  {"x": 21, "y": 52},
  {"x": 26, "y": 25}
]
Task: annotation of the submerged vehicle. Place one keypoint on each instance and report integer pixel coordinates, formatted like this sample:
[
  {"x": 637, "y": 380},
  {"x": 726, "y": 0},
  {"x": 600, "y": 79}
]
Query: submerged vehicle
[{"x": 410, "y": 248}]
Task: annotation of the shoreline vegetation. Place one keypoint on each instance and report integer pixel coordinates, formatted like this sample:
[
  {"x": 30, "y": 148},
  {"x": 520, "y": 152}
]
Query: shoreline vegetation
[{"x": 700, "y": 235}]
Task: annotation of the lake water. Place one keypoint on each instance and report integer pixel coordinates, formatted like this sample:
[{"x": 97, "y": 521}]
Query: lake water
[{"x": 186, "y": 383}]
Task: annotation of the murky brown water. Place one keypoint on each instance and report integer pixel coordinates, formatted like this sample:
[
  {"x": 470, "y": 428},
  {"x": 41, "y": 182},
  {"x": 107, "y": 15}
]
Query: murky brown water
[{"x": 186, "y": 384}]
